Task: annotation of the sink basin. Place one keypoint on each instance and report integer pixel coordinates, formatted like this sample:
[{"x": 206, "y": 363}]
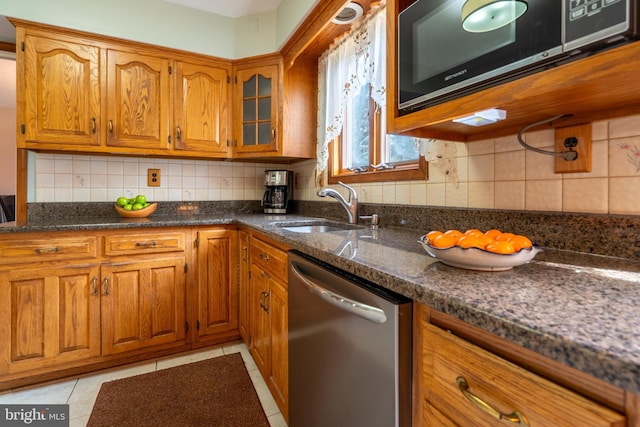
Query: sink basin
[{"x": 315, "y": 227}]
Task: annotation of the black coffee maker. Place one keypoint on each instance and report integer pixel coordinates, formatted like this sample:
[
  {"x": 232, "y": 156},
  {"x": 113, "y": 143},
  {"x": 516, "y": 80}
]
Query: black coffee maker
[{"x": 279, "y": 191}]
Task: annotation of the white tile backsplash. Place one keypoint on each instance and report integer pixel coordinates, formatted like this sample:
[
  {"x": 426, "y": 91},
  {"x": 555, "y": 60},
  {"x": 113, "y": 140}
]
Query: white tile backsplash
[{"x": 493, "y": 174}]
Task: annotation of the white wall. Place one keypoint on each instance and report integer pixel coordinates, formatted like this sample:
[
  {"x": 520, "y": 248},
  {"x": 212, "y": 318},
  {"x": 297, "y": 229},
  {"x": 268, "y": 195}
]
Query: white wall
[
  {"x": 167, "y": 24},
  {"x": 8, "y": 150}
]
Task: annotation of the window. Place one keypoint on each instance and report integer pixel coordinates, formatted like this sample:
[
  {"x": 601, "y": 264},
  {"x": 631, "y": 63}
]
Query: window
[{"x": 353, "y": 145}]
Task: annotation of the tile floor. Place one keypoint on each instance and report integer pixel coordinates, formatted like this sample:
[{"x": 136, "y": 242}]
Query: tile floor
[{"x": 81, "y": 392}]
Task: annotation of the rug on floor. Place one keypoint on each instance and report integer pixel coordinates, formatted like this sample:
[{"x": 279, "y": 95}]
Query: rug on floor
[{"x": 214, "y": 392}]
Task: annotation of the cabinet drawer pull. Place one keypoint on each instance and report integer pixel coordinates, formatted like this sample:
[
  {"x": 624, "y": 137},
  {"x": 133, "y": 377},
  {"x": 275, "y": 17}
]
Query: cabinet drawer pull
[
  {"x": 265, "y": 306},
  {"x": 151, "y": 244},
  {"x": 93, "y": 125},
  {"x": 48, "y": 250},
  {"x": 94, "y": 290},
  {"x": 264, "y": 256},
  {"x": 515, "y": 417},
  {"x": 106, "y": 286},
  {"x": 110, "y": 126},
  {"x": 178, "y": 133}
]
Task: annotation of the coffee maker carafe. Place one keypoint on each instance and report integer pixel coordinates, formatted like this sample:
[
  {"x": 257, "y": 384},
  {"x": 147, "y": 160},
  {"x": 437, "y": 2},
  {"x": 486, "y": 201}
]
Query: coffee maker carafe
[{"x": 279, "y": 191}]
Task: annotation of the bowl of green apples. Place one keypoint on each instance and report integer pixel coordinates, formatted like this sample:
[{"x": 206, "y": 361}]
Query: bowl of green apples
[{"x": 135, "y": 207}]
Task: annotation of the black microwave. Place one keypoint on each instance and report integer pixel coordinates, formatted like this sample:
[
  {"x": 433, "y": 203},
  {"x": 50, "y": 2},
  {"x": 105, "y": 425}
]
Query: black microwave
[{"x": 438, "y": 60}]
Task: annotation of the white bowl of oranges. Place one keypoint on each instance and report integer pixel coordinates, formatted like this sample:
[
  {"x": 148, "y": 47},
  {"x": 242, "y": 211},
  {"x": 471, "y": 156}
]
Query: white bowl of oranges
[{"x": 492, "y": 250}]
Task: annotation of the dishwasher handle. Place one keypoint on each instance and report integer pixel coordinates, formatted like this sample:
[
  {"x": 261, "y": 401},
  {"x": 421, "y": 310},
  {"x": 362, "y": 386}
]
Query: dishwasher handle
[{"x": 365, "y": 311}]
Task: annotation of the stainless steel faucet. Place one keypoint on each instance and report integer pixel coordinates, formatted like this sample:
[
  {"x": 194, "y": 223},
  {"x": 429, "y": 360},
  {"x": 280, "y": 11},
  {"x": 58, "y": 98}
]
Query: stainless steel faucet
[{"x": 351, "y": 205}]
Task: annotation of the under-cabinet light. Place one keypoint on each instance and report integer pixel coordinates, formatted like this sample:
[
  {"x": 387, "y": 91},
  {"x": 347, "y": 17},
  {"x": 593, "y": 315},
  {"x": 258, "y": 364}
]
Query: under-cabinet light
[{"x": 482, "y": 118}]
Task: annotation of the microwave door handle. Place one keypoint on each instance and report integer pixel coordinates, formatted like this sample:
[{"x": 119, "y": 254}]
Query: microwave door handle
[{"x": 365, "y": 311}]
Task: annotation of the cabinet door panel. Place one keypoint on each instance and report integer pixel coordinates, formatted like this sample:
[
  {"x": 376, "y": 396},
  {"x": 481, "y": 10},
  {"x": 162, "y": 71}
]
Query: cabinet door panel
[
  {"x": 138, "y": 100},
  {"x": 279, "y": 319},
  {"x": 201, "y": 109},
  {"x": 217, "y": 282},
  {"x": 53, "y": 316},
  {"x": 62, "y": 92},
  {"x": 256, "y": 117},
  {"x": 258, "y": 317},
  {"x": 143, "y": 304}
]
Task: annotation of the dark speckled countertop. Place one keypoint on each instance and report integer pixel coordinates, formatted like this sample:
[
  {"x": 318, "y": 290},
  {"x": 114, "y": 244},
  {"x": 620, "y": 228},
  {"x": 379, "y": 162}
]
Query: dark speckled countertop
[{"x": 581, "y": 310}]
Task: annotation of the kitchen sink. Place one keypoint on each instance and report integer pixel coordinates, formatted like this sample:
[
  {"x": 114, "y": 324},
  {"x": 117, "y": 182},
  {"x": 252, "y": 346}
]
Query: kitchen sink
[{"x": 315, "y": 227}]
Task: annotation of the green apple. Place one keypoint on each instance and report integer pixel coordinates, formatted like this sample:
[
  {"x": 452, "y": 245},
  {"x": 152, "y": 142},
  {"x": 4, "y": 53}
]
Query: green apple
[
  {"x": 137, "y": 207},
  {"x": 128, "y": 207},
  {"x": 141, "y": 199},
  {"x": 122, "y": 201}
]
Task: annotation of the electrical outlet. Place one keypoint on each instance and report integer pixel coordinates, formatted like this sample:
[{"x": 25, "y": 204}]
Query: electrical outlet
[
  {"x": 575, "y": 138},
  {"x": 153, "y": 177}
]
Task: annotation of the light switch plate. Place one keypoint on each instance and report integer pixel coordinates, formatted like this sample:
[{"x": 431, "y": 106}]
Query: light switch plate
[{"x": 583, "y": 135}]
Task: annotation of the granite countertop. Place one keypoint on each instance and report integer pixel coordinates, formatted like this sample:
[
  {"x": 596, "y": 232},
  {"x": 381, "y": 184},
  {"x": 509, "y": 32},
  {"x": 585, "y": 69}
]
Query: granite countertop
[{"x": 578, "y": 309}]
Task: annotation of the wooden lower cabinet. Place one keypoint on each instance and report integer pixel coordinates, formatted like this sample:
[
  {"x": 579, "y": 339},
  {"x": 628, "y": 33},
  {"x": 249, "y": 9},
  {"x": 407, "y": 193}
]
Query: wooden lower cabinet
[
  {"x": 462, "y": 384},
  {"x": 217, "y": 299},
  {"x": 51, "y": 316},
  {"x": 75, "y": 302},
  {"x": 268, "y": 318},
  {"x": 143, "y": 304}
]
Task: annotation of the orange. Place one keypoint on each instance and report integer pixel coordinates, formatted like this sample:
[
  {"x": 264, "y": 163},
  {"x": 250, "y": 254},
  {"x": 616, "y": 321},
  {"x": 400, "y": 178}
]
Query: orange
[
  {"x": 456, "y": 234},
  {"x": 470, "y": 241},
  {"x": 484, "y": 239},
  {"x": 432, "y": 235},
  {"x": 500, "y": 247},
  {"x": 444, "y": 241},
  {"x": 520, "y": 242},
  {"x": 473, "y": 232},
  {"x": 505, "y": 236},
  {"x": 493, "y": 233}
]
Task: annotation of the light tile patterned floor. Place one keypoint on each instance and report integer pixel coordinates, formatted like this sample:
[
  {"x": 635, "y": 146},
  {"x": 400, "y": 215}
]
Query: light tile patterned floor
[{"x": 81, "y": 392}]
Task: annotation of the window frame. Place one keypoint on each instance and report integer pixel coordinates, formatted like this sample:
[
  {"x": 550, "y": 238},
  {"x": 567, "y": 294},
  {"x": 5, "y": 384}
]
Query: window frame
[{"x": 406, "y": 171}]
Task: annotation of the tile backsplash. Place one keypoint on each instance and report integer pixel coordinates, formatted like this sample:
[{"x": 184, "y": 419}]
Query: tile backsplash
[{"x": 491, "y": 174}]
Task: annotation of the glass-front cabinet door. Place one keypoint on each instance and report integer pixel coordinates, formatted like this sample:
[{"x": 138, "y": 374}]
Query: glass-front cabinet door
[{"x": 257, "y": 110}]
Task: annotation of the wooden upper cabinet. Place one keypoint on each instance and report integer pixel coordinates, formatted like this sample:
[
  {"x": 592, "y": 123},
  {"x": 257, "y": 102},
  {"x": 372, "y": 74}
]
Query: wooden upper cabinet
[
  {"x": 138, "y": 100},
  {"x": 62, "y": 93},
  {"x": 257, "y": 104},
  {"x": 201, "y": 108}
]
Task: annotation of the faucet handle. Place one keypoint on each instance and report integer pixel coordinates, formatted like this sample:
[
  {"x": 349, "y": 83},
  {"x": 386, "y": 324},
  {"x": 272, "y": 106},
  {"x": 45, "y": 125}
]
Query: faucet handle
[
  {"x": 375, "y": 220},
  {"x": 352, "y": 192}
]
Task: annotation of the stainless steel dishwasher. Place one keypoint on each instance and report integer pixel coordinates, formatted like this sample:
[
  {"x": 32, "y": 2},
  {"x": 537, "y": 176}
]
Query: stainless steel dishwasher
[{"x": 349, "y": 349}]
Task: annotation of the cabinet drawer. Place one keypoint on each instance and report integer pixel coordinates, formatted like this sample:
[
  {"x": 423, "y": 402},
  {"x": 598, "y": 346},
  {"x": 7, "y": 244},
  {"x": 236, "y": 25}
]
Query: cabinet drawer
[
  {"x": 502, "y": 385},
  {"x": 270, "y": 258},
  {"x": 132, "y": 244},
  {"x": 54, "y": 248}
]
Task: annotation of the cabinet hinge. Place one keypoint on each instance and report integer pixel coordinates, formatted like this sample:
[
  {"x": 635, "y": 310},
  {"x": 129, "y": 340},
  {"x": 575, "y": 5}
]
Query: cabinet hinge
[
  {"x": 23, "y": 129},
  {"x": 235, "y": 79},
  {"x": 228, "y": 79},
  {"x": 198, "y": 324},
  {"x": 235, "y": 142},
  {"x": 170, "y": 69},
  {"x": 186, "y": 326},
  {"x": 186, "y": 267},
  {"x": 249, "y": 274},
  {"x": 169, "y": 139},
  {"x": 22, "y": 46},
  {"x": 197, "y": 243},
  {"x": 227, "y": 142}
]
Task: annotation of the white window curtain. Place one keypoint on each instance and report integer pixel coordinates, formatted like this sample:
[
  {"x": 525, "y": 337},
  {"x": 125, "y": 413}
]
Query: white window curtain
[{"x": 356, "y": 59}]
